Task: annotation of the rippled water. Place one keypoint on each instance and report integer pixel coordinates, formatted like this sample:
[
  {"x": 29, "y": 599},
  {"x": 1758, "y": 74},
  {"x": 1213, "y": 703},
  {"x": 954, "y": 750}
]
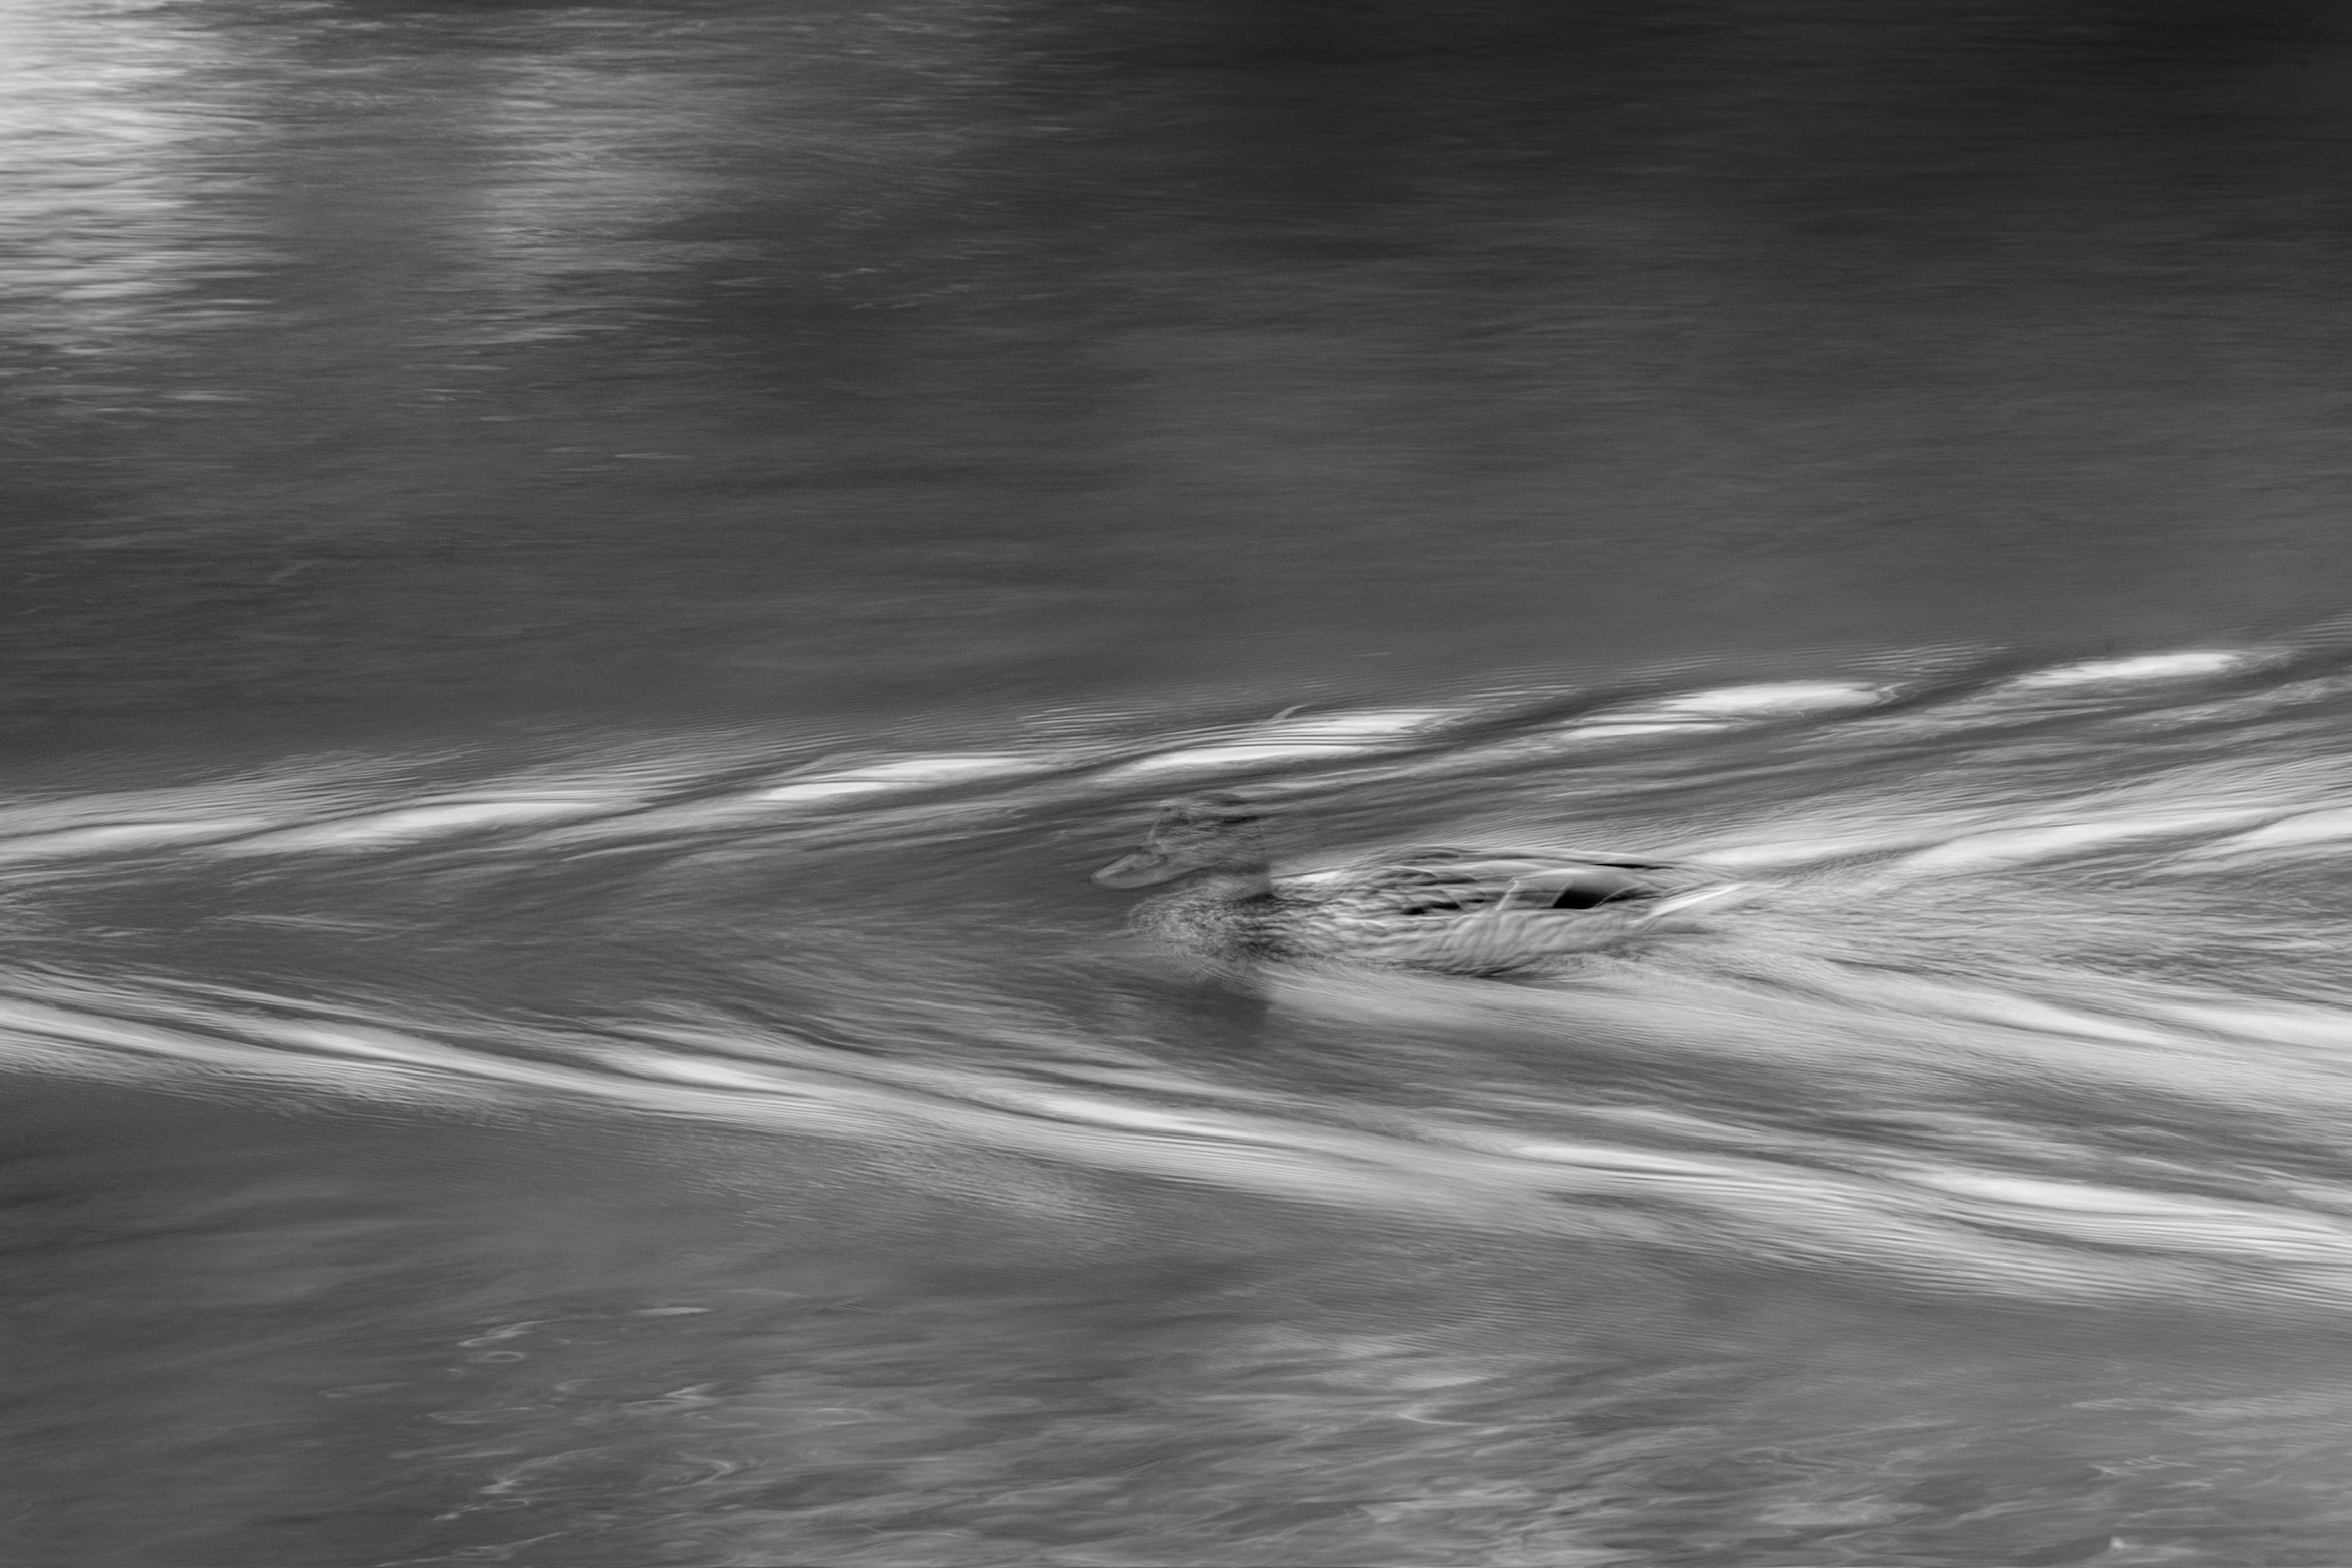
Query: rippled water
[
  {"x": 739, "y": 1152},
  {"x": 587, "y": 584}
]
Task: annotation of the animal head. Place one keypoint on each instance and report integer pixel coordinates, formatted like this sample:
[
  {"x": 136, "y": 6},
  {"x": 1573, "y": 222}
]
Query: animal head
[{"x": 1200, "y": 833}]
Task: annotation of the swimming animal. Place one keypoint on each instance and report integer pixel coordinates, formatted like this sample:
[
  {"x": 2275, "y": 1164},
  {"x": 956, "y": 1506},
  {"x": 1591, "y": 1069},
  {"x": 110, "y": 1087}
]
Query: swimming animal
[{"x": 1431, "y": 906}]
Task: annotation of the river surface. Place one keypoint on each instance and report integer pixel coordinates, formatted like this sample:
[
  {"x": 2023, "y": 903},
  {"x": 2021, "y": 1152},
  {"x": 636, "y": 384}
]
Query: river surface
[{"x": 583, "y": 586}]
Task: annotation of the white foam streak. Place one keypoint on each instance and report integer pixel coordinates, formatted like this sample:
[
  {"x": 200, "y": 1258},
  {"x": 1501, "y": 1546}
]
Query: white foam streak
[
  {"x": 126, "y": 836},
  {"x": 1722, "y": 708},
  {"x": 1321, "y": 739},
  {"x": 2039, "y": 1018},
  {"x": 710, "y": 1074},
  {"x": 410, "y": 824},
  {"x": 2312, "y": 827},
  {"x": 2031, "y": 1193},
  {"x": 1661, "y": 727},
  {"x": 1227, "y": 755},
  {"x": 2308, "y": 1027},
  {"x": 900, "y": 773},
  {"x": 2017, "y": 845},
  {"x": 2112, "y": 1217},
  {"x": 2185, "y": 665},
  {"x": 1780, "y": 698}
]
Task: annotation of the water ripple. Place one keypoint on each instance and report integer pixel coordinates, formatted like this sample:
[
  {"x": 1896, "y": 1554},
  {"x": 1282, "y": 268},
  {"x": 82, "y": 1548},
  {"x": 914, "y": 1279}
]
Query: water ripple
[{"x": 1949, "y": 937}]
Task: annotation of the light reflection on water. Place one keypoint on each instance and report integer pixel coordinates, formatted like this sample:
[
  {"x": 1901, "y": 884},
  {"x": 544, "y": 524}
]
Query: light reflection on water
[
  {"x": 719, "y": 360},
  {"x": 121, "y": 127}
]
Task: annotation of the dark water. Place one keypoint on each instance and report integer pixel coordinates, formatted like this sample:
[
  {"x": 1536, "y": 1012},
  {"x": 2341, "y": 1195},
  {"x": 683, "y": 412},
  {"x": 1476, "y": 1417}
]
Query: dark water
[{"x": 583, "y": 587}]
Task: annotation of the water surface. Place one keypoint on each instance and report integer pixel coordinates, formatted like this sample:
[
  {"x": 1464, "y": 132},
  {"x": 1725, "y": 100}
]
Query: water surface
[{"x": 586, "y": 583}]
